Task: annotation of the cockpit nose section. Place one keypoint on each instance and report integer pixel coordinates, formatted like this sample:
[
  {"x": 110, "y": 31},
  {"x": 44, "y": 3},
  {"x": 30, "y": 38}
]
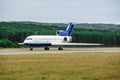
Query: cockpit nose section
[{"x": 28, "y": 40}]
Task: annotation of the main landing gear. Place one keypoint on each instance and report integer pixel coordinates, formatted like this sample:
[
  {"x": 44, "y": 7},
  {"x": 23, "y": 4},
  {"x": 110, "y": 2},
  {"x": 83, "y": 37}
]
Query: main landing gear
[
  {"x": 31, "y": 49},
  {"x": 60, "y": 48},
  {"x": 46, "y": 48}
]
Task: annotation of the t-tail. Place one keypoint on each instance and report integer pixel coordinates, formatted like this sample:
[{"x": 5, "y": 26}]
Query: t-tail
[{"x": 66, "y": 32}]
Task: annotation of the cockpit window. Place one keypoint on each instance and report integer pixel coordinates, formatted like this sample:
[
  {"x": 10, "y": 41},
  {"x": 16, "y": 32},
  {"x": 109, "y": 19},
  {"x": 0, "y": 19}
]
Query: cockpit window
[{"x": 29, "y": 39}]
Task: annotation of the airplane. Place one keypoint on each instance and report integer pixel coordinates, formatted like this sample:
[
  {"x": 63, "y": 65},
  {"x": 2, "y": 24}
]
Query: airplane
[{"x": 63, "y": 38}]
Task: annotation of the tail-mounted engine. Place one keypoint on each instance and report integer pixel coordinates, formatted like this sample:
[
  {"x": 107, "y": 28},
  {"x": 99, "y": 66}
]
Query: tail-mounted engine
[
  {"x": 57, "y": 32},
  {"x": 62, "y": 33},
  {"x": 65, "y": 39}
]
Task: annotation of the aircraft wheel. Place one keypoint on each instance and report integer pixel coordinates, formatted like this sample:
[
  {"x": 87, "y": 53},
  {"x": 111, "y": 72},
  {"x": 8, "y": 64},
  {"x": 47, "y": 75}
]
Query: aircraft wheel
[
  {"x": 31, "y": 49},
  {"x": 46, "y": 48},
  {"x": 60, "y": 48}
]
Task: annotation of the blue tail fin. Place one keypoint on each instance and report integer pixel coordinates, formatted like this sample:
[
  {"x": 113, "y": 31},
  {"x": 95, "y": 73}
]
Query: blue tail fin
[
  {"x": 69, "y": 29},
  {"x": 66, "y": 32}
]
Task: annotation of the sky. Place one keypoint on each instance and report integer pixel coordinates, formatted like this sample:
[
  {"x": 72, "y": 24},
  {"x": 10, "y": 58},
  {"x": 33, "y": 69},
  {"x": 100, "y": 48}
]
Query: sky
[{"x": 61, "y": 11}]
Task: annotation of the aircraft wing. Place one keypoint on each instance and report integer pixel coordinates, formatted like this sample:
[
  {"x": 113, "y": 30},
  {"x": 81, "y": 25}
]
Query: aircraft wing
[
  {"x": 69, "y": 44},
  {"x": 77, "y": 44}
]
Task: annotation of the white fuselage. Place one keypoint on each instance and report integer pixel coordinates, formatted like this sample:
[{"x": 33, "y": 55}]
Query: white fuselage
[{"x": 47, "y": 39}]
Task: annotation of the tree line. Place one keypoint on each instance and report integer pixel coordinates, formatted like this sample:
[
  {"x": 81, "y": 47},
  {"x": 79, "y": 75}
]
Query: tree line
[{"x": 12, "y": 33}]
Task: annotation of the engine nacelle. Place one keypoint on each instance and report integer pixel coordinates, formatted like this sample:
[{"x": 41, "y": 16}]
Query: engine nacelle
[
  {"x": 65, "y": 39},
  {"x": 62, "y": 32},
  {"x": 57, "y": 32}
]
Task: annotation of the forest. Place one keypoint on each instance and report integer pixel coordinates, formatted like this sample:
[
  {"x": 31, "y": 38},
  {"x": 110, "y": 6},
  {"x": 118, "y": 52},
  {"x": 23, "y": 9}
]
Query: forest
[{"x": 12, "y": 33}]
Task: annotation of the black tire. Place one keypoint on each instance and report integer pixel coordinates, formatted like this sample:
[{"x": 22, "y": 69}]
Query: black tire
[
  {"x": 60, "y": 48},
  {"x": 31, "y": 49},
  {"x": 46, "y": 48}
]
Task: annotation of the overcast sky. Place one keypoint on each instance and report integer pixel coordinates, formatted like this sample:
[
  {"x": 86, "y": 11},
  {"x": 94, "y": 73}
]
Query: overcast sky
[{"x": 79, "y": 11}]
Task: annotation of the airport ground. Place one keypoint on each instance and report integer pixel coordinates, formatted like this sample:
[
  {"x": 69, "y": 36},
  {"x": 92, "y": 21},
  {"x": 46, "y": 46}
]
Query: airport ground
[{"x": 85, "y": 64}]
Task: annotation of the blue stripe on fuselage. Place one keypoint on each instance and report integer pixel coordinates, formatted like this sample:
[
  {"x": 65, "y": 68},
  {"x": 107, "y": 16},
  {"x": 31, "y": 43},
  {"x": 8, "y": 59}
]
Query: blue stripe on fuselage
[{"x": 37, "y": 45}]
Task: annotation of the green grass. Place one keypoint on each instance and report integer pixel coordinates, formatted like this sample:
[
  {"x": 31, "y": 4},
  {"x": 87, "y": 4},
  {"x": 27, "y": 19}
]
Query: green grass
[{"x": 83, "y": 66}]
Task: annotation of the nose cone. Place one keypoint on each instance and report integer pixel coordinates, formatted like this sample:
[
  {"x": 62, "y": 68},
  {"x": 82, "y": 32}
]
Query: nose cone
[
  {"x": 28, "y": 40},
  {"x": 25, "y": 41}
]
